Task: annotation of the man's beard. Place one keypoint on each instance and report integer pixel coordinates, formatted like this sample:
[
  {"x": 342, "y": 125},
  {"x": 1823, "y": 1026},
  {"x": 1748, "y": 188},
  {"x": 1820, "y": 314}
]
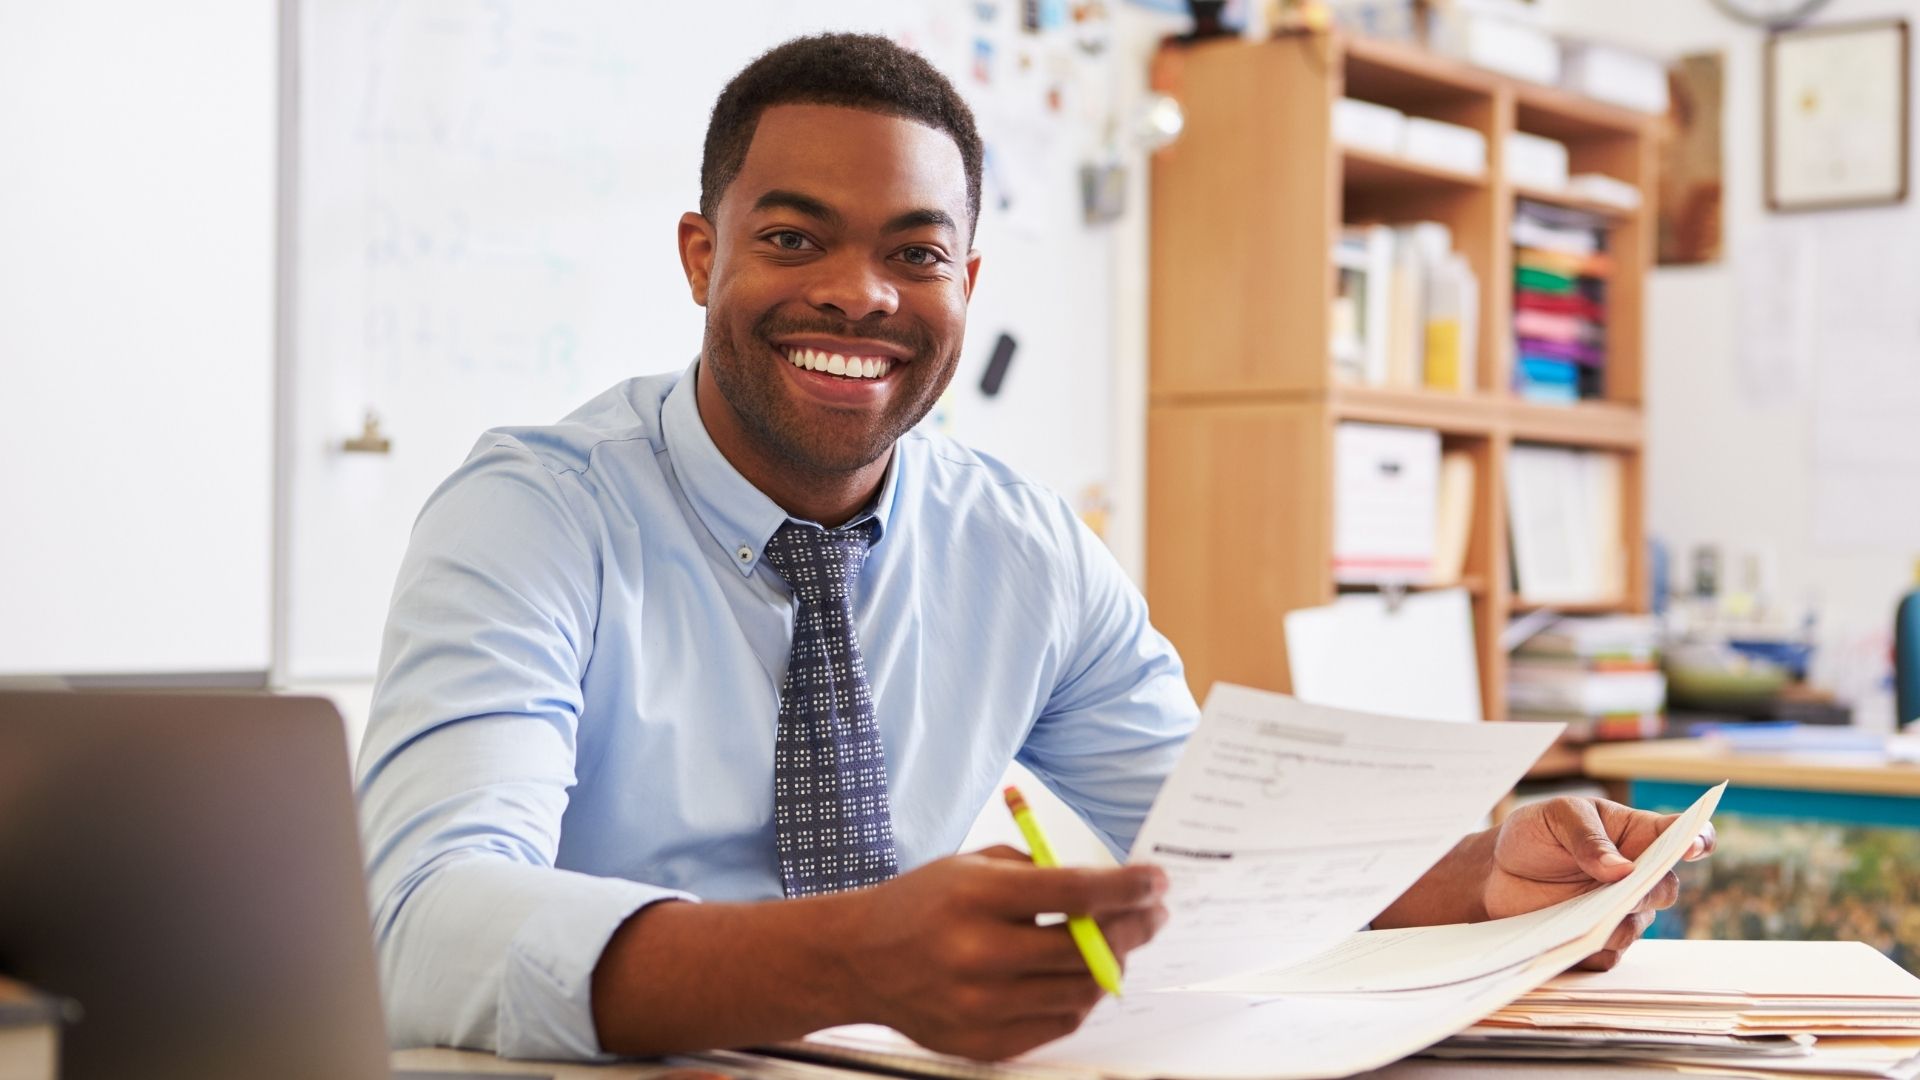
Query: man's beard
[{"x": 849, "y": 439}]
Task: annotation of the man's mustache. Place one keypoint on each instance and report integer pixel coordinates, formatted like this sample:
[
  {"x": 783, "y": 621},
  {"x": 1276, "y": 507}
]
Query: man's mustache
[{"x": 913, "y": 339}]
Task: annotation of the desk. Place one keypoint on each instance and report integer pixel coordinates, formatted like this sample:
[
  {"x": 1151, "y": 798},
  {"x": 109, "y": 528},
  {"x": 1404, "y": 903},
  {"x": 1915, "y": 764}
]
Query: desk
[
  {"x": 1812, "y": 844},
  {"x": 1412, "y": 1069}
]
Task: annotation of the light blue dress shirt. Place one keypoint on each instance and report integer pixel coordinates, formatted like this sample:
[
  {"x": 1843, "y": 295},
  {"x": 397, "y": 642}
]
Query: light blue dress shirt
[{"x": 579, "y": 687}]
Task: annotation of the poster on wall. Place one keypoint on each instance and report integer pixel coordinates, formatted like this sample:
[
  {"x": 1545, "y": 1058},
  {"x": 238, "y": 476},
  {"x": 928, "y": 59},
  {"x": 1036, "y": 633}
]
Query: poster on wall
[
  {"x": 1692, "y": 166},
  {"x": 1837, "y": 116}
]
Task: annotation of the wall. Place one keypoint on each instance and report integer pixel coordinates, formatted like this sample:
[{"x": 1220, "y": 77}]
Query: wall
[
  {"x": 136, "y": 336},
  {"x": 1759, "y": 464}
]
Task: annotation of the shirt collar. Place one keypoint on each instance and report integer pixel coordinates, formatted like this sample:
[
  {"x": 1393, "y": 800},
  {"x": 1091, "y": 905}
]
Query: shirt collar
[{"x": 739, "y": 517}]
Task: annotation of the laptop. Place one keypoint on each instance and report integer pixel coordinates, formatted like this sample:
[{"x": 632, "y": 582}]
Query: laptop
[{"x": 186, "y": 867}]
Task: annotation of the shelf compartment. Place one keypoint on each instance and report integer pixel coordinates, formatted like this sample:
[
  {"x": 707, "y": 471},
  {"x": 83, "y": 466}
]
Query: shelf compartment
[
  {"x": 1610, "y": 212},
  {"x": 1558, "y": 114},
  {"x": 1365, "y": 170},
  {"x": 1447, "y": 413},
  {"x": 1600, "y": 425},
  {"x": 1407, "y": 77}
]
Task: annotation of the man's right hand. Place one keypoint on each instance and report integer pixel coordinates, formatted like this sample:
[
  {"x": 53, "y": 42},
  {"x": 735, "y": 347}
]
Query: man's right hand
[{"x": 950, "y": 956}]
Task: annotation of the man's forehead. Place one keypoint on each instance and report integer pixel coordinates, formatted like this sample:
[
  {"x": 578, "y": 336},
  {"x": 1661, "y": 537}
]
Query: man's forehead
[{"x": 857, "y": 161}]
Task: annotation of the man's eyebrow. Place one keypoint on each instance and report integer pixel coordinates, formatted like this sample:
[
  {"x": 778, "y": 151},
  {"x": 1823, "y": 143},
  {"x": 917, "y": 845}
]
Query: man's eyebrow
[
  {"x": 915, "y": 219},
  {"x": 800, "y": 204}
]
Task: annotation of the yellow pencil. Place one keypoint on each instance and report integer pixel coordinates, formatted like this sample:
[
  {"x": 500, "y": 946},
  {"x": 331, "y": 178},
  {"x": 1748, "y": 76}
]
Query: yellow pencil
[{"x": 1086, "y": 933}]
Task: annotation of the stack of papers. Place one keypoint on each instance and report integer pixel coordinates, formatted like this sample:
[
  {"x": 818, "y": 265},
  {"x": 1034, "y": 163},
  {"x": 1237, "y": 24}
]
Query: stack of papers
[
  {"x": 1285, "y": 827},
  {"x": 1767, "y": 1007}
]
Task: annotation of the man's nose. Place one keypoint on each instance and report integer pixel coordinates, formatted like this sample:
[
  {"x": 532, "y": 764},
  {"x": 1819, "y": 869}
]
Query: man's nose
[{"x": 853, "y": 287}]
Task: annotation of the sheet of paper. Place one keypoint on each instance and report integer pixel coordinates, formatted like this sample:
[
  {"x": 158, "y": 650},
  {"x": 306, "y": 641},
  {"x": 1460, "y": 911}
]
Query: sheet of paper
[
  {"x": 1288, "y": 826},
  {"x": 1796, "y": 970},
  {"x": 1204, "y": 1036},
  {"x": 1386, "y": 960},
  {"x": 1413, "y": 659},
  {"x": 1212, "y": 1036}
]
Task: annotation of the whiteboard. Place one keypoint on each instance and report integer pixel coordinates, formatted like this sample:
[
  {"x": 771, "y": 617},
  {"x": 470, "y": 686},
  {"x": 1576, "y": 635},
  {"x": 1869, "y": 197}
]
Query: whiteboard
[
  {"x": 484, "y": 235},
  {"x": 137, "y": 153}
]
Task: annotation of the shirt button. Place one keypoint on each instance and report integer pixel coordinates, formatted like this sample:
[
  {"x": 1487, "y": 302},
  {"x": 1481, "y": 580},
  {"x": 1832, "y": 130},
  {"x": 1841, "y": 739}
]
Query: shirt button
[{"x": 745, "y": 554}]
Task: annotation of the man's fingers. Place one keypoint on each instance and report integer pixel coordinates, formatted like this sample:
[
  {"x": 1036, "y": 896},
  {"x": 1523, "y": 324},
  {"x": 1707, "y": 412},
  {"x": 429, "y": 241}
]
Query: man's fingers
[
  {"x": 1050, "y": 950},
  {"x": 1662, "y": 895},
  {"x": 1600, "y": 961},
  {"x": 1703, "y": 845},
  {"x": 1006, "y": 1040},
  {"x": 1628, "y": 931},
  {"x": 1074, "y": 891},
  {"x": 1133, "y": 929},
  {"x": 1576, "y": 824},
  {"x": 1050, "y": 995}
]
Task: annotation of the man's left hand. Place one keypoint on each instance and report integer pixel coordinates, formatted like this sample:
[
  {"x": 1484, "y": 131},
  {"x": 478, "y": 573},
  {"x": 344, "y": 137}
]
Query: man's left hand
[{"x": 1550, "y": 851}]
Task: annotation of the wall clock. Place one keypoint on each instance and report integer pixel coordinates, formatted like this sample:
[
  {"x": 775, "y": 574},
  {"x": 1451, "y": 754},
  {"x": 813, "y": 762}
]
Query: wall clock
[{"x": 1770, "y": 13}]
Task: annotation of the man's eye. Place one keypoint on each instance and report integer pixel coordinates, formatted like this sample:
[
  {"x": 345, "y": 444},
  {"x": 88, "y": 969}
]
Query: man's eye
[
  {"x": 787, "y": 240},
  {"x": 921, "y": 256}
]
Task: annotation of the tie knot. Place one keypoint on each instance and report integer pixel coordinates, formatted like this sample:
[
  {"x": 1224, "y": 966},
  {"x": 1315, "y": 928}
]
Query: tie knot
[{"x": 819, "y": 564}]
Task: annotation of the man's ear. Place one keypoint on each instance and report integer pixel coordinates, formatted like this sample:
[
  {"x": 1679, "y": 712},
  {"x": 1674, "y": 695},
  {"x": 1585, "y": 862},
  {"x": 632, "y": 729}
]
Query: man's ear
[
  {"x": 697, "y": 244},
  {"x": 973, "y": 270}
]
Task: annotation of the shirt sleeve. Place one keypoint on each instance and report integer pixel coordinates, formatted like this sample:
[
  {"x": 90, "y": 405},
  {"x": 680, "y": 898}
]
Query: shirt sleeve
[
  {"x": 466, "y": 765},
  {"x": 1121, "y": 711}
]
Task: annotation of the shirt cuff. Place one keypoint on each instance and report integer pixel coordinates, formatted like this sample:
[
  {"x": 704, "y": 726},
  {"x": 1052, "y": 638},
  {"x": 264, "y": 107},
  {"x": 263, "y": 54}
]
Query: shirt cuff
[{"x": 546, "y": 995}]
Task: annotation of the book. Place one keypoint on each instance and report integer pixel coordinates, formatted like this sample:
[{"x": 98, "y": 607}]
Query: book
[
  {"x": 1566, "y": 525},
  {"x": 1454, "y": 524},
  {"x": 1596, "y": 637},
  {"x": 30, "y": 1031},
  {"x": 1533, "y": 687},
  {"x": 1363, "y": 259},
  {"x": 1605, "y": 727},
  {"x": 1406, "y": 308},
  {"x": 1560, "y": 269}
]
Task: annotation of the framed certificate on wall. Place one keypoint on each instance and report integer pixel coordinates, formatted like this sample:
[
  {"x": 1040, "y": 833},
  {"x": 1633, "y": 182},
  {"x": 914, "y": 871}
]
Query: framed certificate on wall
[{"x": 1837, "y": 116}]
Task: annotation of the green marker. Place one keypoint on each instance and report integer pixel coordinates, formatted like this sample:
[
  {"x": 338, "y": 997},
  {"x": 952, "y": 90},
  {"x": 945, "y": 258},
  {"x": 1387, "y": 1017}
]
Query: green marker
[{"x": 1086, "y": 933}]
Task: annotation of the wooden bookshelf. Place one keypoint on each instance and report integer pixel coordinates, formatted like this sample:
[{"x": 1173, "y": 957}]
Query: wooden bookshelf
[{"x": 1247, "y": 207}]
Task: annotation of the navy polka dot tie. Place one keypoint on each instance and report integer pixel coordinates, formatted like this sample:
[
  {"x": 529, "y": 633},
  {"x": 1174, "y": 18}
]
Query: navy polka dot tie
[{"x": 830, "y": 810}]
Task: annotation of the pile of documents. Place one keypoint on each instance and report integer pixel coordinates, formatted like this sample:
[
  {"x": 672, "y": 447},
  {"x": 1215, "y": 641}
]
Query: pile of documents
[
  {"x": 1599, "y": 676},
  {"x": 1766, "y": 1007}
]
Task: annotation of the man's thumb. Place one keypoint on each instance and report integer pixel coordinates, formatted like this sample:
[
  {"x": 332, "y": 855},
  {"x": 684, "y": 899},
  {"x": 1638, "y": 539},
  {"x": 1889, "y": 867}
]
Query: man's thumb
[{"x": 1592, "y": 849}]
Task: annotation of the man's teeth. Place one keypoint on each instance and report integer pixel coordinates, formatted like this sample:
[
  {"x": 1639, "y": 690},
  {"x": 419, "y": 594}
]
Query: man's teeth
[{"x": 856, "y": 367}]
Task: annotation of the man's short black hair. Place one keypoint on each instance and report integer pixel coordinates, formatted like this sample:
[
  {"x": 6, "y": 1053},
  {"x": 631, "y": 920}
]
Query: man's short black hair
[{"x": 860, "y": 71}]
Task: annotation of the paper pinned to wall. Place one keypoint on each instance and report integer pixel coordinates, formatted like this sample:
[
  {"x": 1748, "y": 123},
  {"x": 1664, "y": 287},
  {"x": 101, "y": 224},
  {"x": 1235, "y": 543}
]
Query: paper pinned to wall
[
  {"x": 1775, "y": 326},
  {"x": 1866, "y": 395}
]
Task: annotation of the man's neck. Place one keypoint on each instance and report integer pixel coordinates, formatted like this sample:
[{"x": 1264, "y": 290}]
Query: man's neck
[{"x": 830, "y": 499}]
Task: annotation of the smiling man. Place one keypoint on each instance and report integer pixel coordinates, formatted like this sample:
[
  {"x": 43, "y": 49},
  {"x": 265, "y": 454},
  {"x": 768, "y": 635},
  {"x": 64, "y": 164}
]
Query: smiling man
[{"x": 745, "y": 636}]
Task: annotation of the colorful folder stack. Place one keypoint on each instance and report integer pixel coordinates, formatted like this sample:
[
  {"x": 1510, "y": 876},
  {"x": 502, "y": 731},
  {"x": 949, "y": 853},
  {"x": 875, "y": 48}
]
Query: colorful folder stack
[
  {"x": 1599, "y": 676},
  {"x": 1559, "y": 308}
]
